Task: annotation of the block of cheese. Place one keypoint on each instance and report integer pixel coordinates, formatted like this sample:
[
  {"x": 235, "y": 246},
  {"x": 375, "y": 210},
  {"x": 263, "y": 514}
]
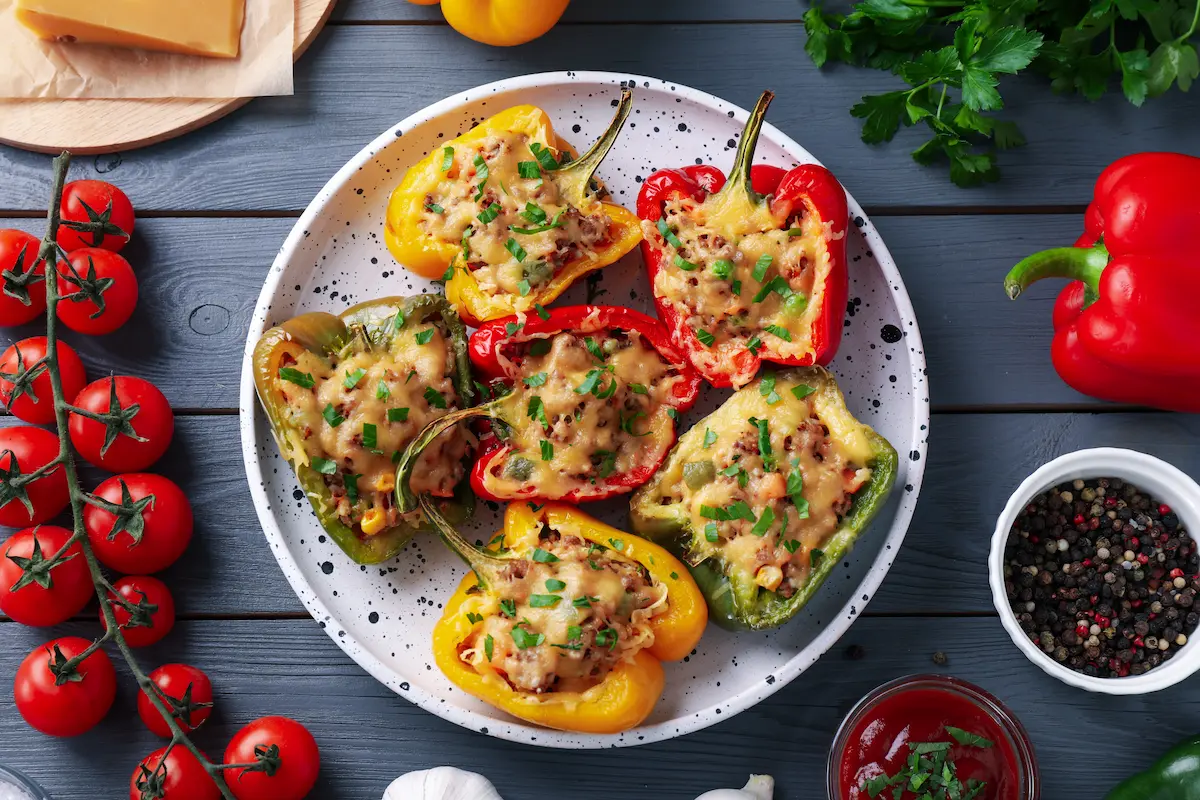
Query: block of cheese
[{"x": 194, "y": 27}]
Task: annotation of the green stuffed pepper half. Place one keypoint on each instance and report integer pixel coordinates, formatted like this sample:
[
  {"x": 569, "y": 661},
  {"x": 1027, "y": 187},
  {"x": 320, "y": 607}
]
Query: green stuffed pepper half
[
  {"x": 765, "y": 496},
  {"x": 346, "y": 394}
]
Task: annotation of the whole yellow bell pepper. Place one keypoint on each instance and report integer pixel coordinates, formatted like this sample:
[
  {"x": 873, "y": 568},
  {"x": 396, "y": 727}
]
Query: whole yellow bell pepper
[
  {"x": 502, "y": 23},
  {"x": 630, "y": 690},
  {"x": 411, "y": 216}
]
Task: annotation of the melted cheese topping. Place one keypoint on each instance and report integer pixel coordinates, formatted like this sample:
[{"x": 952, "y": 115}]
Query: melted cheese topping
[
  {"x": 738, "y": 273},
  {"x": 562, "y": 626},
  {"x": 817, "y": 456},
  {"x": 397, "y": 389},
  {"x": 599, "y": 416},
  {"x": 499, "y": 219}
]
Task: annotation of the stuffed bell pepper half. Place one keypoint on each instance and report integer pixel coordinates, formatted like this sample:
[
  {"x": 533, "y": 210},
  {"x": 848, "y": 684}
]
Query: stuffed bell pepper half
[
  {"x": 565, "y": 621},
  {"x": 748, "y": 269},
  {"x": 346, "y": 394},
  {"x": 508, "y": 215},
  {"x": 767, "y": 494},
  {"x": 589, "y": 398}
]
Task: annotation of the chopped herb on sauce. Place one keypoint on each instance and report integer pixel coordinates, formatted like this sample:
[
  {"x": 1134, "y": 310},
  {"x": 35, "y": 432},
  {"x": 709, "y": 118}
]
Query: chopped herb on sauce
[
  {"x": 537, "y": 410},
  {"x": 352, "y": 378},
  {"x": 795, "y": 490},
  {"x": 529, "y": 169},
  {"x": 508, "y": 607},
  {"x": 791, "y": 545},
  {"x": 778, "y": 330},
  {"x": 332, "y": 416},
  {"x": 543, "y": 156},
  {"x": 323, "y": 465},
  {"x": 754, "y": 345},
  {"x": 722, "y": 268},
  {"x": 766, "y": 388},
  {"x": 761, "y": 266},
  {"x": 435, "y": 208},
  {"x": 638, "y": 388},
  {"x": 382, "y": 392},
  {"x": 447, "y": 158},
  {"x": 541, "y": 311},
  {"x": 710, "y": 438},
  {"x": 607, "y": 637},
  {"x": 425, "y": 336},
  {"x": 669, "y": 235},
  {"x": 517, "y": 251},
  {"x": 489, "y": 213},
  {"x": 302, "y": 379},
  {"x": 523, "y": 639},
  {"x": 523, "y": 287},
  {"x": 802, "y": 391},
  {"x": 543, "y": 600},
  {"x": 555, "y": 585},
  {"x": 370, "y": 436},
  {"x": 536, "y": 379},
  {"x": 593, "y": 348},
  {"x": 705, "y": 337},
  {"x": 765, "y": 521},
  {"x": 684, "y": 264},
  {"x": 397, "y": 414},
  {"x": 543, "y": 556},
  {"x": 351, "y": 482},
  {"x": 710, "y": 532},
  {"x": 512, "y": 327},
  {"x": 547, "y": 450},
  {"x": 434, "y": 397},
  {"x": 489, "y": 646}
]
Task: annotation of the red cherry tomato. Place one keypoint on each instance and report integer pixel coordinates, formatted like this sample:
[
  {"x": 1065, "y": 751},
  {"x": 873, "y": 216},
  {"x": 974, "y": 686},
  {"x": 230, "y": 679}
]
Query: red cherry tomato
[
  {"x": 166, "y": 524},
  {"x": 19, "y": 255},
  {"x": 35, "y": 402},
  {"x": 68, "y": 584},
  {"x": 174, "y": 680},
  {"x": 298, "y": 757},
  {"x": 70, "y": 708},
  {"x": 178, "y": 776},
  {"x": 154, "y": 422},
  {"x": 95, "y": 201},
  {"x": 31, "y": 448},
  {"x": 94, "y": 273},
  {"x": 143, "y": 588}
]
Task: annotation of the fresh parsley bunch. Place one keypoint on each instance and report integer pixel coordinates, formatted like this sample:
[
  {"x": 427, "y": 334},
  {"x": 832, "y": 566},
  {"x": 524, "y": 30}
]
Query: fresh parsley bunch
[{"x": 952, "y": 54}]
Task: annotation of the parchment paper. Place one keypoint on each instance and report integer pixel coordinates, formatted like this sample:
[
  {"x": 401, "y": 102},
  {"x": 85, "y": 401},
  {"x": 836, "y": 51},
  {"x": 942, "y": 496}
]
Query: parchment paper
[{"x": 32, "y": 68}]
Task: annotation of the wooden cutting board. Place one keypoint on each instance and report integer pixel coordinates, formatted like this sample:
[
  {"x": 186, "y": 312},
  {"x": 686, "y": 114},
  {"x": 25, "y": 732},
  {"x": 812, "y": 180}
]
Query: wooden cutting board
[{"x": 87, "y": 127}]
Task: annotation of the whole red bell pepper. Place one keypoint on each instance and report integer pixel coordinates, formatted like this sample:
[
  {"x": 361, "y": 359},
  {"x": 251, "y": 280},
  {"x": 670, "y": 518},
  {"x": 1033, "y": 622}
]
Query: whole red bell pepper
[
  {"x": 808, "y": 192},
  {"x": 1125, "y": 327},
  {"x": 497, "y": 350}
]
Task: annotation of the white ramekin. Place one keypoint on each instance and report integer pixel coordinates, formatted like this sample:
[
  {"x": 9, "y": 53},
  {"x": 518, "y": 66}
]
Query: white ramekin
[{"x": 1161, "y": 480}]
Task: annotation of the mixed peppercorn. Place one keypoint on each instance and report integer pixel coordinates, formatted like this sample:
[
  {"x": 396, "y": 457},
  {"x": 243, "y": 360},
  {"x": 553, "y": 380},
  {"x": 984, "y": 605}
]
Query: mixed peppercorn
[{"x": 1103, "y": 577}]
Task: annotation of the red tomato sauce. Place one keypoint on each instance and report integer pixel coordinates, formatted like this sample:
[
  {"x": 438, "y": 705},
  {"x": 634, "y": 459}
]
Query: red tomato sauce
[{"x": 878, "y": 745}]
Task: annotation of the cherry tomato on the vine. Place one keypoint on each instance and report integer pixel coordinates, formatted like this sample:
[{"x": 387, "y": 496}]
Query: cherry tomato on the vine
[
  {"x": 152, "y": 424},
  {"x": 294, "y": 750},
  {"x": 23, "y": 450},
  {"x": 174, "y": 681},
  {"x": 22, "y": 293},
  {"x": 33, "y": 400},
  {"x": 77, "y": 704},
  {"x": 143, "y": 588},
  {"x": 178, "y": 776},
  {"x": 98, "y": 291},
  {"x": 165, "y": 523},
  {"x": 95, "y": 201},
  {"x": 45, "y": 597}
]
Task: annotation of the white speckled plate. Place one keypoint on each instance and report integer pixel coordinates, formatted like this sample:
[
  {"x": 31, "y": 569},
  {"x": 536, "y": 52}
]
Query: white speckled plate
[{"x": 382, "y": 616}]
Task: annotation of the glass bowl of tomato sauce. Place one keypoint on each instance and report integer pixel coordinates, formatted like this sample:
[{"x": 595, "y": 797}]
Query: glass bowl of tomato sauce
[{"x": 929, "y": 731}]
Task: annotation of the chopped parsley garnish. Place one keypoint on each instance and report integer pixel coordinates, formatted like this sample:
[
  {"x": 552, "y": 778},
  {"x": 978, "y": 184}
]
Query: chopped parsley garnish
[
  {"x": 537, "y": 410},
  {"x": 584, "y": 601},
  {"x": 523, "y": 287},
  {"x": 607, "y": 637},
  {"x": 617, "y": 544},
  {"x": 669, "y": 235},
  {"x": 447, "y": 275},
  {"x": 541, "y": 311},
  {"x": 425, "y": 336},
  {"x": 638, "y": 388},
  {"x": 370, "y": 436},
  {"x": 710, "y": 532},
  {"x": 736, "y": 288},
  {"x": 466, "y": 245},
  {"x": 351, "y": 483},
  {"x": 543, "y": 556},
  {"x": 474, "y": 618},
  {"x": 382, "y": 392},
  {"x": 543, "y": 156},
  {"x": 761, "y": 266},
  {"x": 590, "y": 382},
  {"x": 555, "y": 585},
  {"x": 551, "y": 225},
  {"x": 434, "y": 397},
  {"x": 489, "y": 646},
  {"x": 753, "y": 345},
  {"x": 765, "y": 521},
  {"x": 481, "y": 169},
  {"x": 766, "y": 387},
  {"x": 523, "y": 639},
  {"x": 764, "y": 443},
  {"x": 435, "y": 208},
  {"x": 777, "y": 330},
  {"x": 539, "y": 347},
  {"x": 705, "y": 337},
  {"x": 802, "y": 391},
  {"x": 684, "y": 264},
  {"x": 967, "y": 738},
  {"x": 352, "y": 378},
  {"x": 547, "y": 450},
  {"x": 397, "y": 415},
  {"x": 722, "y": 268},
  {"x": 332, "y": 416},
  {"x": 302, "y": 379},
  {"x": 627, "y": 423},
  {"x": 673, "y": 413},
  {"x": 710, "y": 438},
  {"x": 508, "y": 607},
  {"x": 517, "y": 251},
  {"x": 777, "y": 284},
  {"x": 795, "y": 489},
  {"x": 536, "y": 379},
  {"x": 447, "y": 158},
  {"x": 543, "y": 600},
  {"x": 791, "y": 545},
  {"x": 529, "y": 169},
  {"x": 323, "y": 465},
  {"x": 534, "y": 213},
  {"x": 593, "y": 348},
  {"x": 607, "y": 462},
  {"x": 736, "y": 510},
  {"x": 511, "y": 328},
  {"x": 489, "y": 213}
]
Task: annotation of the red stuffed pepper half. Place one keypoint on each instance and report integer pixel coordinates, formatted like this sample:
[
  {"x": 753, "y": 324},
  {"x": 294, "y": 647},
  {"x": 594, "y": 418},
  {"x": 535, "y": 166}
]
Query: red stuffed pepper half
[
  {"x": 748, "y": 269},
  {"x": 586, "y": 400}
]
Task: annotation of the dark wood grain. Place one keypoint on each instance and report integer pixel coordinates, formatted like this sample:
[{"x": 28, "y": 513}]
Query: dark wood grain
[
  {"x": 975, "y": 462},
  {"x": 359, "y": 80},
  {"x": 200, "y": 278},
  {"x": 368, "y": 736},
  {"x": 593, "y": 11}
]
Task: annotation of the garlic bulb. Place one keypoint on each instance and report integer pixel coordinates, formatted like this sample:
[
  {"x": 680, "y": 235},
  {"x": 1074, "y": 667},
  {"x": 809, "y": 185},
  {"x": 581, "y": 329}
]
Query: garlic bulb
[
  {"x": 442, "y": 783},
  {"x": 759, "y": 787}
]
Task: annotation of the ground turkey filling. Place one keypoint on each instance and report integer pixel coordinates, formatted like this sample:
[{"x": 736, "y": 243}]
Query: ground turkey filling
[
  {"x": 591, "y": 405},
  {"x": 507, "y": 213},
  {"x": 562, "y": 625},
  {"x": 366, "y": 405},
  {"x": 770, "y": 517}
]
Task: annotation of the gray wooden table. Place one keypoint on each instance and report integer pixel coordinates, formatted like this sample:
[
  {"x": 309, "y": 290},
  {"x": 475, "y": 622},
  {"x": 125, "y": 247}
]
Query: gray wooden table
[{"x": 216, "y": 205}]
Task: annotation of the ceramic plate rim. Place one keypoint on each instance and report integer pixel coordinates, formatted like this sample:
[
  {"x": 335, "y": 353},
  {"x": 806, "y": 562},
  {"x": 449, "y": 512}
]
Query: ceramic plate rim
[{"x": 515, "y": 730}]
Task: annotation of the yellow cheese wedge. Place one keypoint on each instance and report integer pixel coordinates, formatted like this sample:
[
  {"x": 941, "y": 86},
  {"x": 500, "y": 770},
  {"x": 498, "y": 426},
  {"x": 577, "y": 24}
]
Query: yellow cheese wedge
[{"x": 207, "y": 28}]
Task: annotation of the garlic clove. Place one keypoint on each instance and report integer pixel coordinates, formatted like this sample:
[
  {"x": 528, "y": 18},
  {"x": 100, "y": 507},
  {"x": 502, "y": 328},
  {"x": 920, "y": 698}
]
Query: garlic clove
[
  {"x": 441, "y": 783},
  {"x": 759, "y": 787}
]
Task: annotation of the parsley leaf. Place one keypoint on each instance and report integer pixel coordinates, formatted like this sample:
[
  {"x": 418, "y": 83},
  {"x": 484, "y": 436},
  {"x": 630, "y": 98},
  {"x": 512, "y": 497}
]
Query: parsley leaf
[{"x": 304, "y": 380}]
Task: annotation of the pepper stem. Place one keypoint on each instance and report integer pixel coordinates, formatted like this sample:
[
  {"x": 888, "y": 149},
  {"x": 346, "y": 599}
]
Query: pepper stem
[
  {"x": 485, "y": 565},
  {"x": 406, "y": 500},
  {"x": 739, "y": 174},
  {"x": 574, "y": 178},
  {"x": 1075, "y": 263}
]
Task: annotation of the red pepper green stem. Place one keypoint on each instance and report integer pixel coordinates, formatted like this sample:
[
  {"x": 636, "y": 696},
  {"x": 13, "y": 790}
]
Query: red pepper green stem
[
  {"x": 743, "y": 160},
  {"x": 1074, "y": 263}
]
